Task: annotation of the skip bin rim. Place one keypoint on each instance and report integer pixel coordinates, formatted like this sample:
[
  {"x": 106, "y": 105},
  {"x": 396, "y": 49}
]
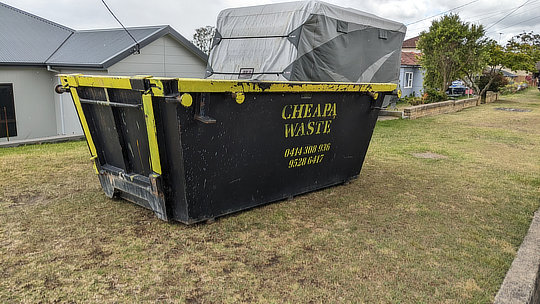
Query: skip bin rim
[{"x": 190, "y": 85}]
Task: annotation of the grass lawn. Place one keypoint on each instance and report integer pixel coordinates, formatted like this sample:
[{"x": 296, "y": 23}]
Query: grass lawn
[{"x": 409, "y": 229}]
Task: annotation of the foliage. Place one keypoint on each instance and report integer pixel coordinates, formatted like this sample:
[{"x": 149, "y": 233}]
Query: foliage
[
  {"x": 412, "y": 100},
  {"x": 452, "y": 49},
  {"x": 432, "y": 95},
  {"x": 513, "y": 88},
  {"x": 498, "y": 81},
  {"x": 523, "y": 52},
  {"x": 203, "y": 38},
  {"x": 429, "y": 96}
]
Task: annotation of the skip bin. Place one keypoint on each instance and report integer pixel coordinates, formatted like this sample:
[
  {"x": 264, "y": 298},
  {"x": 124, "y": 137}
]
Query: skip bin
[{"x": 195, "y": 149}]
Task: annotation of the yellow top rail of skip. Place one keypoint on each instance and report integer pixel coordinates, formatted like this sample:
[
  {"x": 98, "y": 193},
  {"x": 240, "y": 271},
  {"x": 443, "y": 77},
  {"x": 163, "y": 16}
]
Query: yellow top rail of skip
[
  {"x": 213, "y": 85},
  {"x": 191, "y": 85}
]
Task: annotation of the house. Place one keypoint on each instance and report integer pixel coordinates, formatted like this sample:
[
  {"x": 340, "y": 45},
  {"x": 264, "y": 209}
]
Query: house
[
  {"x": 510, "y": 77},
  {"x": 518, "y": 76},
  {"x": 34, "y": 50},
  {"x": 411, "y": 76},
  {"x": 409, "y": 45}
]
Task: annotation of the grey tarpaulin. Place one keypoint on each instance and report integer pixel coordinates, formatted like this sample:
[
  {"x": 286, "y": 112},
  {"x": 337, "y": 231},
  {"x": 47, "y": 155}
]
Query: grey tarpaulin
[{"x": 305, "y": 41}]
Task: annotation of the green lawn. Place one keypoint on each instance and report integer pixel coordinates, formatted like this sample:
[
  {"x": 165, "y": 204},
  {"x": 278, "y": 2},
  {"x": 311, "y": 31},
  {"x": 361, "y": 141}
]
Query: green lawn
[{"x": 408, "y": 230}]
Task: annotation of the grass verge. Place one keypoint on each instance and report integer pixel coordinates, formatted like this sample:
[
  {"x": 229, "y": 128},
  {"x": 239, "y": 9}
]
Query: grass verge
[{"x": 410, "y": 230}]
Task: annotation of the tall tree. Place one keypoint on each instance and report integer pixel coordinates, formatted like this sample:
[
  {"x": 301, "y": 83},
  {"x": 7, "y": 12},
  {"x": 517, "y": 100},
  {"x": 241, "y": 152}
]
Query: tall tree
[
  {"x": 203, "y": 38},
  {"x": 494, "y": 58},
  {"x": 451, "y": 48},
  {"x": 523, "y": 51}
]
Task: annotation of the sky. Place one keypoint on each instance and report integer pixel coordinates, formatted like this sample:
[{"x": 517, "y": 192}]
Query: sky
[{"x": 502, "y": 18}]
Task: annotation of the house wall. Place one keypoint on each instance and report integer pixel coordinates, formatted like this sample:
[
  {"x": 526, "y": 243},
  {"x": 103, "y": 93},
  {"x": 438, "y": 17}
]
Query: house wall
[
  {"x": 33, "y": 92},
  {"x": 413, "y": 50},
  {"x": 164, "y": 57},
  {"x": 40, "y": 112},
  {"x": 67, "y": 120},
  {"x": 418, "y": 80}
]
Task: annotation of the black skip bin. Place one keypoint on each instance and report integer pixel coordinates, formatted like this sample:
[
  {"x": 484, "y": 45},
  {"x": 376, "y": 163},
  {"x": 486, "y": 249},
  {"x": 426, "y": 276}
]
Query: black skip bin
[{"x": 192, "y": 149}]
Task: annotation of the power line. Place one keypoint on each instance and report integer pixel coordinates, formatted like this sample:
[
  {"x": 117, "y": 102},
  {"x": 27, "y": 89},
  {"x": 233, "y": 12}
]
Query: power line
[
  {"x": 516, "y": 23},
  {"x": 137, "y": 49},
  {"x": 508, "y": 14},
  {"x": 444, "y": 12},
  {"x": 475, "y": 18}
]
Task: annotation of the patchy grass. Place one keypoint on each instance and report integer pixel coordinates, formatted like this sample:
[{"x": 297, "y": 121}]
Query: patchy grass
[{"x": 410, "y": 230}]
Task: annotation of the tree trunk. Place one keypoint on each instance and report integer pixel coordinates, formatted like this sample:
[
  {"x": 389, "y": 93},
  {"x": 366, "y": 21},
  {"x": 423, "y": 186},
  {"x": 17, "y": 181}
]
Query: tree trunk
[{"x": 444, "y": 82}]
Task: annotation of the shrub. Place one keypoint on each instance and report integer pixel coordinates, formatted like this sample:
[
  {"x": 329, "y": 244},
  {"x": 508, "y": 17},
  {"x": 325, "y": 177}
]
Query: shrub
[
  {"x": 513, "y": 88},
  {"x": 411, "y": 99},
  {"x": 499, "y": 81},
  {"x": 433, "y": 95}
]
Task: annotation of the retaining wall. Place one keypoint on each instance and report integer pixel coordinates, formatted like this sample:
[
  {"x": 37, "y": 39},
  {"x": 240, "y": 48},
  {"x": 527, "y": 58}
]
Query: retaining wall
[{"x": 448, "y": 106}]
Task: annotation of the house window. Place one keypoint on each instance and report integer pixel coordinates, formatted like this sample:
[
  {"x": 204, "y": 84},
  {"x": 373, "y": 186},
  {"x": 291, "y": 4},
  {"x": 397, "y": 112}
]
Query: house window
[
  {"x": 408, "y": 79},
  {"x": 8, "y": 127}
]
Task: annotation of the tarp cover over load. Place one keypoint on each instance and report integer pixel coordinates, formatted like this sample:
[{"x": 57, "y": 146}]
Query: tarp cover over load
[{"x": 305, "y": 41}]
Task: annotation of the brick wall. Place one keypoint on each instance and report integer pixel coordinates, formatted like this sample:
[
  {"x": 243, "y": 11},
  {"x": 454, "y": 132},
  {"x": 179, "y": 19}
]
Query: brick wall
[
  {"x": 491, "y": 96},
  {"x": 443, "y": 107}
]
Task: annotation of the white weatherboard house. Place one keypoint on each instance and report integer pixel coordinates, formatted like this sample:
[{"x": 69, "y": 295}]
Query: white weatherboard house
[{"x": 34, "y": 50}]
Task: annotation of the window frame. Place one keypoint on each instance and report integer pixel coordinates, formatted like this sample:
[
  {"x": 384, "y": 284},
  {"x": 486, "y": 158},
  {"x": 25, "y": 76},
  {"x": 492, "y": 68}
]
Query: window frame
[
  {"x": 12, "y": 130},
  {"x": 408, "y": 83}
]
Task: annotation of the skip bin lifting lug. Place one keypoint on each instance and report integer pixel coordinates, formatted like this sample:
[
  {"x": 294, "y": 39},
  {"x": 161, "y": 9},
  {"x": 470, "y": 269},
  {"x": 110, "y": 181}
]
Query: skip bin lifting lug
[{"x": 203, "y": 107}]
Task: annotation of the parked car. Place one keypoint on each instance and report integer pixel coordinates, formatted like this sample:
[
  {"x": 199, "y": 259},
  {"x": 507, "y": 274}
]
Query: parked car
[{"x": 457, "y": 88}]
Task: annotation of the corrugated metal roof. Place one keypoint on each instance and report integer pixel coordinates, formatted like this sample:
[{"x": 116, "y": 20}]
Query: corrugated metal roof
[
  {"x": 97, "y": 47},
  {"x": 103, "y": 48},
  {"x": 26, "y": 38}
]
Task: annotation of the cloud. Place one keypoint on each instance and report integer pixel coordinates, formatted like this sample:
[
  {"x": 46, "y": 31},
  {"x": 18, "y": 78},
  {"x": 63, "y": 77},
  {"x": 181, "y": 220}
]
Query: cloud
[{"x": 186, "y": 16}]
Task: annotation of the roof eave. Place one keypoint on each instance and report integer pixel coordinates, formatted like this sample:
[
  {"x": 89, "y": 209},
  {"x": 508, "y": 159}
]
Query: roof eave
[
  {"x": 58, "y": 65},
  {"x": 190, "y": 46},
  {"x": 35, "y": 64}
]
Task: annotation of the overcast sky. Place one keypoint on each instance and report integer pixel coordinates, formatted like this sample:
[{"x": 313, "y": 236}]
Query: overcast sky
[{"x": 186, "y": 16}]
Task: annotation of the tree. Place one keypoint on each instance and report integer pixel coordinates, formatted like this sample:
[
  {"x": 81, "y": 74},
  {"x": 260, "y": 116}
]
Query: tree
[
  {"x": 498, "y": 81},
  {"x": 452, "y": 49},
  {"x": 494, "y": 58},
  {"x": 203, "y": 38},
  {"x": 523, "y": 52}
]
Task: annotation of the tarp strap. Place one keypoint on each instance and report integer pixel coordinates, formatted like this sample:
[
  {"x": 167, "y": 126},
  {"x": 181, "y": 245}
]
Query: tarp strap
[
  {"x": 253, "y": 37},
  {"x": 254, "y": 73}
]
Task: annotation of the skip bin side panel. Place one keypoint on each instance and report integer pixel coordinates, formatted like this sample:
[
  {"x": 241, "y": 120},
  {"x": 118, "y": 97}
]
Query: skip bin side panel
[
  {"x": 169, "y": 139},
  {"x": 272, "y": 146}
]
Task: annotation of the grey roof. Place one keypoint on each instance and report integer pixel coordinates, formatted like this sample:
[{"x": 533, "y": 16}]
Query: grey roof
[
  {"x": 26, "y": 38},
  {"x": 508, "y": 74},
  {"x": 32, "y": 40}
]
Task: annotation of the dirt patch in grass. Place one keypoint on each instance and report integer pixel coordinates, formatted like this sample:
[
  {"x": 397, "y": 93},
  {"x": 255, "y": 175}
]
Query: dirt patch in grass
[
  {"x": 513, "y": 110},
  {"x": 429, "y": 155},
  {"x": 407, "y": 230}
]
